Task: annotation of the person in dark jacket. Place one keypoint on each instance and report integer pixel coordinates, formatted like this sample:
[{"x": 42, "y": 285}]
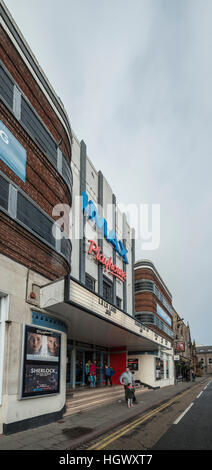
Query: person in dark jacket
[
  {"x": 109, "y": 372},
  {"x": 130, "y": 394}
]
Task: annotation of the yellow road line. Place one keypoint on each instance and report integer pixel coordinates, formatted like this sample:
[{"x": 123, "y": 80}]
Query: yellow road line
[{"x": 129, "y": 427}]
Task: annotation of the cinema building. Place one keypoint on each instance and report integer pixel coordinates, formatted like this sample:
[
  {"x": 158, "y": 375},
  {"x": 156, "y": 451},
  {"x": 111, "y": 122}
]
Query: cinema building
[{"x": 66, "y": 252}]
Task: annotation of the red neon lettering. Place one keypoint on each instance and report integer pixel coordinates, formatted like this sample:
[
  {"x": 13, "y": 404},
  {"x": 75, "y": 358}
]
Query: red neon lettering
[
  {"x": 93, "y": 247},
  {"x": 109, "y": 266}
]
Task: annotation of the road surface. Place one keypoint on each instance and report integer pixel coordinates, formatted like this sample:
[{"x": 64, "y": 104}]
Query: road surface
[{"x": 183, "y": 422}]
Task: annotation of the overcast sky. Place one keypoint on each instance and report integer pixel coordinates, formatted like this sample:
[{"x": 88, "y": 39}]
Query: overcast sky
[{"x": 135, "y": 77}]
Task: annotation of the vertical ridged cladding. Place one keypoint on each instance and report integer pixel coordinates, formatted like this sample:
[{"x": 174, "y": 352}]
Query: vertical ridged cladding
[
  {"x": 83, "y": 151},
  {"x": 133, "y": 271},
  {"x": 100, "y": 241},
  {"x": 124, "y": 230},
  {"x": 114, "y": 252}
]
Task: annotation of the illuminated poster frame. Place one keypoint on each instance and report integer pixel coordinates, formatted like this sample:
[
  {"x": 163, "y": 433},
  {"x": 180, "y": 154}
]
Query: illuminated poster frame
[
  {"x": 40, "y": 362},
  {"x": 133, "y": 363}
]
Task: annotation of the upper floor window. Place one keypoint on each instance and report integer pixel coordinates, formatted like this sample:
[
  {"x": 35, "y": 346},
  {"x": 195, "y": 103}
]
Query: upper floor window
[
  {"x": 118, "y": 302},
  {"x": 4, "y": 193},
  {"x": 89, "y": 282},
  {"x": 6, "y": 87},
  {"x": 34, "y": 219},
  {"x": 37, "y": 129},
  {"x": 108, "y": 290}
]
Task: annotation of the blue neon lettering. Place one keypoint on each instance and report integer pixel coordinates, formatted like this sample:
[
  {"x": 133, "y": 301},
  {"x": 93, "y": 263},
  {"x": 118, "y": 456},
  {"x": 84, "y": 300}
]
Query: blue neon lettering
[{"x": 90, "y": 209}]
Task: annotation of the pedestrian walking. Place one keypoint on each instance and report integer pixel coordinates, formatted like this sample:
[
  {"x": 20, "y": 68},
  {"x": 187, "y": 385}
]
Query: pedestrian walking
[
  {"x": 109, "y": 372},
  {"x": 193, "y": 376},
  {"x": 125, "y": 379},
  {"x": 92, "y": 373},
  {"x": 188, "y": 375}
]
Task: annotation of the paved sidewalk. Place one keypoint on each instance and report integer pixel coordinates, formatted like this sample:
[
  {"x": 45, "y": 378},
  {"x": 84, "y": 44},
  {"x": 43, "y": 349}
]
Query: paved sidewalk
[{"x": 71, "y": 431}]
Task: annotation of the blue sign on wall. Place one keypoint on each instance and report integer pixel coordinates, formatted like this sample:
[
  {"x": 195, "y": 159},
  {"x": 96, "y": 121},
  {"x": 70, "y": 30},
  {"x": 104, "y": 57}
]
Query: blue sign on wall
[
  {"x": 12, "y": 152},
  {"x": 90, "y": 209},
  {"x": 163, "y": 315}
]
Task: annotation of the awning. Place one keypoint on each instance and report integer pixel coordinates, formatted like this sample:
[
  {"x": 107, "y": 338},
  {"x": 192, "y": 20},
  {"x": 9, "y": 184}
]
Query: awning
[{"x": 92, "y": 320}]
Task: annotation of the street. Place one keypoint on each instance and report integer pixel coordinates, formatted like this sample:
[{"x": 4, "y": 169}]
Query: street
[
  {"x": 192, "y": 430},
  {"x": 184, "y": 422}
]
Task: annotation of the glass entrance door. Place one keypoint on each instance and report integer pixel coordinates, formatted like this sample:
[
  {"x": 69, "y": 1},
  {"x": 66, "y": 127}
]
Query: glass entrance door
[
  {"x": 80, "y": 366},
  {"x": 69, "y": 366},
  {"x": 83, "y": 360}
]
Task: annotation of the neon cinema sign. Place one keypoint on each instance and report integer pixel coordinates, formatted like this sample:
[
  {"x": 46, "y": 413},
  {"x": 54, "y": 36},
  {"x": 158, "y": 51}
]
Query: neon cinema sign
[
  {"x": 90, "y": 209},
  {"x": 108, "y": 264}
]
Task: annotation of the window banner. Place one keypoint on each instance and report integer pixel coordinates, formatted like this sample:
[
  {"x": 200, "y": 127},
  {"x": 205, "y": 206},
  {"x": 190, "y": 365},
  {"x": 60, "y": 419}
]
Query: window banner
[
  {"x": 12, "y": 153},
  {"x": 41, "y": 362},
  {"x": 163, "y": 315},
  {"x": 159, "y": 368}
]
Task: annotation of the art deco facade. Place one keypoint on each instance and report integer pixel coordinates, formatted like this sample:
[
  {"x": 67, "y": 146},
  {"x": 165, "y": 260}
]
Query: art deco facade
[{"x": 62, "y": 301}]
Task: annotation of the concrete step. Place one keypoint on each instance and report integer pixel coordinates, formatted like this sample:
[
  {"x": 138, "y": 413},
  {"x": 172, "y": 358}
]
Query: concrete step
[
  {"x": 95, "y": 399},
  {"x": 92, "y": 397},
  {"x": 70, "y": 392},
  {"x": 80, "y": 392}
]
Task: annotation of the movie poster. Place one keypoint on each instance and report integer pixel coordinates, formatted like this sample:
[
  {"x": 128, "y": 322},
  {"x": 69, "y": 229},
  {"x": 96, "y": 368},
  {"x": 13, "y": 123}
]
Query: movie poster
[
  {"x": 133, "y": 364},
  {"x": 41, "y": 362}
]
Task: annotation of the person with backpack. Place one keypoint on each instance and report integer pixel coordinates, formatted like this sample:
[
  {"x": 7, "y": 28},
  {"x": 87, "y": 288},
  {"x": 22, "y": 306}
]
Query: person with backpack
[{"x": 125, "y": 379}]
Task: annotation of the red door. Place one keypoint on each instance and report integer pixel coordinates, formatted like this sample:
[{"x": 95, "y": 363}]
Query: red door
[{"x": 118, "y": 361}]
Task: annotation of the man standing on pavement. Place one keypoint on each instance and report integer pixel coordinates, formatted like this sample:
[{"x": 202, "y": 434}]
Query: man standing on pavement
[{"x": 125, "y": 379}]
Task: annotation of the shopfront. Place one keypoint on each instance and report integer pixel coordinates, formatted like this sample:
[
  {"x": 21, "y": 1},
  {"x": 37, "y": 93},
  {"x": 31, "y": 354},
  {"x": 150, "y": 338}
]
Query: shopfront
[
  {"x": 98, "y": 332},
  {"x": 154, "y": 368}
]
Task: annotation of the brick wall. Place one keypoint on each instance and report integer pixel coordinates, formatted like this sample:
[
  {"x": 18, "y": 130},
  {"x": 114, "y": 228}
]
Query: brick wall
[
  {"x": 21, "y": 246},
  {"x": 43, "y": 182},
  {"x": 23, "y": 77}
]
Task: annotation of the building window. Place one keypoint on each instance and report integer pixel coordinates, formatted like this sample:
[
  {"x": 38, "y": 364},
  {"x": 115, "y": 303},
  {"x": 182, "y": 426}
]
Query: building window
[
  {"x": 38, "y": 131},
  {"x": 89, "y": 282},
  {"x": 66, "y": 248},
  {"x": 4, "y": 193},
  {"x": 118, "y": 302},
  {"x": 67, "y": 172},
  {"x": 210, "y": 360},
  {"x": 167, "y": 369},
  {"x": 145, "y": 285},
  {"x": 6, "y": 87},
  {"x": 159, "y": 368},
  {"x": 34, "y": 219},
  {"x": 108, "y": 290}
]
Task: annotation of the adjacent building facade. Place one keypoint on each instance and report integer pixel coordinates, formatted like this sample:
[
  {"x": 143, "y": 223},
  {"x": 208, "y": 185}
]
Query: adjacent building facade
[
  {"x": 153, "y": 307},
  {"x": 183, "y": 348},
  {"x": 204, "y": 360}
]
